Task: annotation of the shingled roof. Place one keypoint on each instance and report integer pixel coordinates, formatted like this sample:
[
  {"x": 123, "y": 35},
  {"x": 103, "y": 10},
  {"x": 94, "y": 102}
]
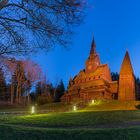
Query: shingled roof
[{"x": 126, "y": 65}]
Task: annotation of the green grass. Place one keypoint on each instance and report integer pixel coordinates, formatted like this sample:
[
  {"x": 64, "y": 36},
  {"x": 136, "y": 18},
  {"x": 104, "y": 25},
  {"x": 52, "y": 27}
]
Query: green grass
[
  {"x": 24, "y": 133},
  {"x": 100, "y": 121},
  {"x": 50, "y": 107},
  {"x": 72, "y": 125},
  {"x": 112, "y": 105},
  {"x": 60, "y": 107},
  {"x": 56, "y": 107},
  {"x": 74, "y": 118}
]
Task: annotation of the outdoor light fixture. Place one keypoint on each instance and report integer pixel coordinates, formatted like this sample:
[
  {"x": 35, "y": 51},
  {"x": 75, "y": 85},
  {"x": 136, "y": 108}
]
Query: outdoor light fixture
[
  {"x": 74, "y": 108},
  {"x": 32, "y": 109},
  {"x": 93, "y": 101}
]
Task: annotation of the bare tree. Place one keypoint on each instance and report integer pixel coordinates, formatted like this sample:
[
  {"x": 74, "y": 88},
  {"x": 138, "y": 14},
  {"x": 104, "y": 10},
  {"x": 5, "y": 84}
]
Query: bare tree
[
  {"x": 29, "y": 25},
  {"x": 9, "y": 67},
  {"x": 23, "y": 74},
  {"x": 33, "y": 73}
]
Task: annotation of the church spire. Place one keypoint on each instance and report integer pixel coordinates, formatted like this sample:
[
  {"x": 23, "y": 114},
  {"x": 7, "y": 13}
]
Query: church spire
[
  {"x": 126, "y": 65},
  {"x": 93, "y": 60},
  {"x": 93, "y": 47},
  {"x": 126, "y": 80}
]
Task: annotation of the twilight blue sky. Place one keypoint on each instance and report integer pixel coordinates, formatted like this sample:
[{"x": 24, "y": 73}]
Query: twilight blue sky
[{"x": 116, "y": 27}]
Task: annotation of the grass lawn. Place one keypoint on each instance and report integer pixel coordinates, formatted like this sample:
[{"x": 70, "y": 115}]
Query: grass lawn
[
  {"x": 112, "y": 105},
  {"x": 60, "y": 107},
  {"x": 73, "y": 119},
  {"x": 51, "y": 107},
  {"x": 110, "y": 123},
  {"x": 24, "y": 133}
]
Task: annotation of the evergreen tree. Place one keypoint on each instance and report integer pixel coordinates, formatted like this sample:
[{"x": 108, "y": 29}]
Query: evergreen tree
[
  {"x": 46, "y": 93},
  {"x": 59, "y": 91},
  {"x": 50, "y": 90},
  {"x": 38, "y": 89},
  {"x": 41, "y": 93},
  {"x": 36, "y": 95},
  {"x": 137, "y": 87},
  {"x": 33, "y": 97},
  {"x": 115, "y": 76}
]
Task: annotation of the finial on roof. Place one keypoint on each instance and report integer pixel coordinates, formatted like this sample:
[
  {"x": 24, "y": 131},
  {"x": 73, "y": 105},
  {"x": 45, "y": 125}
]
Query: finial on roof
[{"x": 93, "y": 46}]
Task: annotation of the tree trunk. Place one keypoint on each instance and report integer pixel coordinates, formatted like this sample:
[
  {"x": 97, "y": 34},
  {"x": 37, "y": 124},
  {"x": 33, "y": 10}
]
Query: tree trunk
[
  {"x": 17, "y": 94},
  {"x": 19, "y": 98},
  {"x": 12, "y": 93},
  {"x": 28, "y": 97}
]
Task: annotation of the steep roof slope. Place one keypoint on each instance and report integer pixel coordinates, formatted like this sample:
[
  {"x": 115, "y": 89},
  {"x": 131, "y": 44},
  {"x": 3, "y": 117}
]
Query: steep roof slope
[{"x": 126, "y": 65}]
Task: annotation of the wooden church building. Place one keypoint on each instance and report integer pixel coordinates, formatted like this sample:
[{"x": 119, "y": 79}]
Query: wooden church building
[{"x": 95, "y": 82}]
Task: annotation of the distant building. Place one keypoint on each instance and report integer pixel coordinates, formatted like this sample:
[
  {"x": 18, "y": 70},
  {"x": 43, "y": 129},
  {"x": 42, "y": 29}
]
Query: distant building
[{"x": 95, "y": 82}]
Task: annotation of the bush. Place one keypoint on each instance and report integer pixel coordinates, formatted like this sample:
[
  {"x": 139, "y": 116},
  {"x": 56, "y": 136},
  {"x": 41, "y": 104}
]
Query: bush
[
  {"x": 138, "y": 106},
  {"x": 41, "y": 100}
]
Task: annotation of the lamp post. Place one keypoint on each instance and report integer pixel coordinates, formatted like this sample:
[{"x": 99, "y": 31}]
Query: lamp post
[{"x": 33, "y": 110}]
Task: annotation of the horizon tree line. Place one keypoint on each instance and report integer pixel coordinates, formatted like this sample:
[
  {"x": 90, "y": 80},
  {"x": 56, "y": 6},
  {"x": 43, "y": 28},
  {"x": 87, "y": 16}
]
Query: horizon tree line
[{"x": 23, "y": 76}]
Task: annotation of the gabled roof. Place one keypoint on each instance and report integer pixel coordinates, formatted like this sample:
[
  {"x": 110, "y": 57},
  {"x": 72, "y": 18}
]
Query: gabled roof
[
  {"x": 82, "y": 72},
  {"x": 100, "y": 69},
  {"x": 126, "y": 65}
]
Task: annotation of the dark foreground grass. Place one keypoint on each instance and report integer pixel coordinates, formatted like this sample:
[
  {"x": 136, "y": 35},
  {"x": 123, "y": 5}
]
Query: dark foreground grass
[
  {"x": 105, "y": 125},
  {"x": 24, "y": 133}
]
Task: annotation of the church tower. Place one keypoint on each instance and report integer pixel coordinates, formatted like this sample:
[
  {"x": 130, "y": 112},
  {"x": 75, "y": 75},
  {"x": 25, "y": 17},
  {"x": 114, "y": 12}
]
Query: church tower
[
  {"x": 126, "y": 80},
  {"x": 93, "y": 60}
]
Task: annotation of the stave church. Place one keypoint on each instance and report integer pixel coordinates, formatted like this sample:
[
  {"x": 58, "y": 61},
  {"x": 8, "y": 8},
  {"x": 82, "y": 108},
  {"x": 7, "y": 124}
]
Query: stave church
[{"x": 95, "y": 82}]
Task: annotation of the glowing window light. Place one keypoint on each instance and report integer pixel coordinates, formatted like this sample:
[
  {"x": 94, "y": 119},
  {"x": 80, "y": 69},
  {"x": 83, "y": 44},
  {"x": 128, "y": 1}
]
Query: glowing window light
[
  {"x": 74, "y": 108},
  {"x": 33, "y": 110}
]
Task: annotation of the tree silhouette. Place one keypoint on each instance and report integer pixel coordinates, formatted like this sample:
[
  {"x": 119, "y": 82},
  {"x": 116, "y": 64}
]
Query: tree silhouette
[
  {"x": 59, "y": 91},
  {"x": 19, "y": 79},
  {"x": 137, "y": 87},
  {"x": 26, "y": 26},
  {"x": 115, "y": 76},
  {"x": 33, "y": 73}
]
